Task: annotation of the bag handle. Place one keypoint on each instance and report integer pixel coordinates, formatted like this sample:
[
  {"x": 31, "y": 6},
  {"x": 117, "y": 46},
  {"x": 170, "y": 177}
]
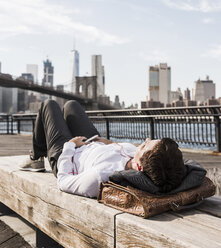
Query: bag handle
[
  {"x": 116, "y": 186},
  {"x": 176, "y": 207}
]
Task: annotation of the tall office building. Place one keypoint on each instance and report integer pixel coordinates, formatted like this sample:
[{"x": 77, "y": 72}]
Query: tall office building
[
  {"x": 33, "y": 69},
  {"x": 8, "y": 99},
  {"x": 160, "y": 83},
  {"x": 74, "y": 69},
  {"x": 203, "y": 90},
  {"x": 28, "y": 76},
  {"x": 48, "y": 74},
  {"x": 176, "y": 95},
  {"x": 23, "y": 95},
  {"x": 154, "y": 83},
  {"x": 187, "y": 94},
  {"x": 98, "y": 71}
]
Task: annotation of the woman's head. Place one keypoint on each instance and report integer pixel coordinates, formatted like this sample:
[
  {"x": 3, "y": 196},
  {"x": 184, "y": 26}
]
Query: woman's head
[{"x": 162, "y": 161}]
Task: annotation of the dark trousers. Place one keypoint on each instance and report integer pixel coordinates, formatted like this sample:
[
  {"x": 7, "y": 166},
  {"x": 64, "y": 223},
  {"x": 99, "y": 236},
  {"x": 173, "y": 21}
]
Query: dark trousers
[{"x": 53, "y": 128}]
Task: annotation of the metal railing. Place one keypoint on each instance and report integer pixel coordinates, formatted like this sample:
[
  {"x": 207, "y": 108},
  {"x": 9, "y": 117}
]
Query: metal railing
[
  {"x": 17, "y": 123},
  {"x": 198, "y": 127}
]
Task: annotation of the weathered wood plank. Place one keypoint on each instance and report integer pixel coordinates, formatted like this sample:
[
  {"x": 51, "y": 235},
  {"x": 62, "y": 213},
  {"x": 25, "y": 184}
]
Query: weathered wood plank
[
  {"x": 190, "y": 229},
  {"x": 35, "y": 197},
  {"x": 6, "y": 233},
  {"x": 211, "y": 206},
  {"x": 215, "y": 175},
  {"x": 201, "y": 219},
  {"x": 15, "y": 242},
  {"x": 9, "y": 238},
  {"x": 18, "y": 144}
]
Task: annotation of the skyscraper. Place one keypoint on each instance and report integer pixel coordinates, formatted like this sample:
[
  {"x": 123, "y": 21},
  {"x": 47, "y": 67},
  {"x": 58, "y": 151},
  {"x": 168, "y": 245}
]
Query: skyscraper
[
  {"x": 154, "y": 83},
  {"x": 48, "y": 74},
  {"x": 8, "y": 99},
  {"x": 187, "y": 94},
  {"x": 98, "y": 71},
  {"x": 74, "y": 69},
  {"x": 33, "y": 69},
  {"x": 160, "y": 83},
  {"x": 28, "y": 76},
  {"x": 203, "y": 90}
]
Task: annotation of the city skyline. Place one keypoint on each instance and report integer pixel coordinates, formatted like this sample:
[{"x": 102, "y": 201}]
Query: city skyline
[{"x": 181, "y": 33}]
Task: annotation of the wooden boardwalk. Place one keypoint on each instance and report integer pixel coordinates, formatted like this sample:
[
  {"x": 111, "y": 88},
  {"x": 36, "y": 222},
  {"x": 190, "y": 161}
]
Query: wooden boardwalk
[
  {"x": 9, "y": 238},
  {"x": 11, "y": 145}
]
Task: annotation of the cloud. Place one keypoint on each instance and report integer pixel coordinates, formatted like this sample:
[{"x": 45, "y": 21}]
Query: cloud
[
  {"x": 19, "y": 17},
  {"x": 195, "y": 5},
  {"x": 4, "y": 49},
  {"x": 155, "y": 56},
  {"x": 214, "y": 52},
  {"x": 208, "y": 20}
]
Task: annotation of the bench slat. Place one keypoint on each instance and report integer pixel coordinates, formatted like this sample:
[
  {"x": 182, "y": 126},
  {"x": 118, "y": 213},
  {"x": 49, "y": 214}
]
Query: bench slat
[
  {"x": 212, "y": 206},
  {"x": 190, "y": 229}
]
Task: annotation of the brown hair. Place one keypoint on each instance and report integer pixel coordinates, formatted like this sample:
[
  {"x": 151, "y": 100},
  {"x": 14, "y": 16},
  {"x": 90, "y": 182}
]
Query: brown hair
[{"x": 164, "y": 165}]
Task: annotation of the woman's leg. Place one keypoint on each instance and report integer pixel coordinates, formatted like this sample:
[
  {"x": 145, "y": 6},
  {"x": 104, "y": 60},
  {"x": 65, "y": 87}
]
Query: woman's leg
[
  {"x": 77, "y": 120},
  {"x": 50, "y": 133}
]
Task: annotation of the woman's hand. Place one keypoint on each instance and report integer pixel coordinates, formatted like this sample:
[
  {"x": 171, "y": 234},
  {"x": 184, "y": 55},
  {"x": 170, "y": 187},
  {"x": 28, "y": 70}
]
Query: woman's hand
[
  {"x": 79, "y": 141},
  {"x": 103, "y": 140}
]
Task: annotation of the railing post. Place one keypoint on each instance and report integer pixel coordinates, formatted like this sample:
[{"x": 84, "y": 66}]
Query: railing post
[
  {"x": 19, "y": 126},
  {"x": 107, "y": 129},
  {"x": 33, "y": 125},
  {"x": 11, "y": 125},
  {"x": 218, "y": 133},
  {"x": 7, "y": 119},
  {"x": 152, "y": 128}
]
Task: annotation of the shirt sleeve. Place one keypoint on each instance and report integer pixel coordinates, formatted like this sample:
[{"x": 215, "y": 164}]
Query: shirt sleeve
[{"x": 85, "y": 184}]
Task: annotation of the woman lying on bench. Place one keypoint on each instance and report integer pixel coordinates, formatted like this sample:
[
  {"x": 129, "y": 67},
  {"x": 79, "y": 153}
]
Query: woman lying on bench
[{"x": 81, "y": 166}]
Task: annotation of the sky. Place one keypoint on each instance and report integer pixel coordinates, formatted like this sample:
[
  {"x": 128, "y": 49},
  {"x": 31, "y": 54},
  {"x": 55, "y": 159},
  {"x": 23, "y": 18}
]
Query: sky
[{"x": 131, "y": 35}]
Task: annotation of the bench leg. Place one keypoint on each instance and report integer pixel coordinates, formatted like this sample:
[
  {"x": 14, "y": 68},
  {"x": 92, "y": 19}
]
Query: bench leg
[
  {"x": 4, "y": 210},
  {"x": 43, "y": 240}
]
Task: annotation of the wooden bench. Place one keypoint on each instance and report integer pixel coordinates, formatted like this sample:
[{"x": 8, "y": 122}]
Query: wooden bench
[{"x": 75, "y": 221}]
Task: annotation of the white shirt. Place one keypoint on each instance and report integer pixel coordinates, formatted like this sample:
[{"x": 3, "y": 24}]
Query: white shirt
[{"x": 81, "y": 170}]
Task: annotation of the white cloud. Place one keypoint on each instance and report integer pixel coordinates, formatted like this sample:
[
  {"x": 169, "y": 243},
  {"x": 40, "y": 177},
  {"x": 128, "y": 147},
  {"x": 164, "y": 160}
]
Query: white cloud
[
  {"x": 195, "y": 5},
  {"x": 156, "y": 56},
  {"x": 3, "y": 49},
  {"x": 214, "y": 52},
  {"x": 20, "y": 17},
  {"x": 208, "y": 20}
]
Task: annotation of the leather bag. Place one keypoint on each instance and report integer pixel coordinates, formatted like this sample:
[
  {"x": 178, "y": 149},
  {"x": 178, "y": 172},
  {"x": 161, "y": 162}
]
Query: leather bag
[{"x": 142, "y": 203}]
